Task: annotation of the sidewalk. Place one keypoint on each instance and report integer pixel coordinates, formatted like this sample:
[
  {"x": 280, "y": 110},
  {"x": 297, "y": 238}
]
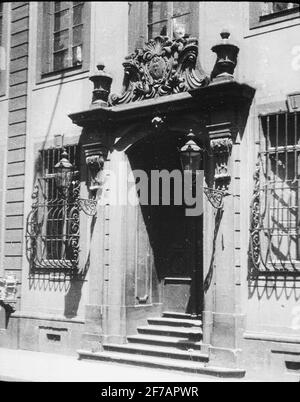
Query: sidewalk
[{"x": 21, "y": 365}]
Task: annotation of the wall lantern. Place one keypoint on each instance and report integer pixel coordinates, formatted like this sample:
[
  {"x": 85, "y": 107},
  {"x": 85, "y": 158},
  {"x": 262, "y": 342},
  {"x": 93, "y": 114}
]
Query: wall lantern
[
  {"x": 63, "y": 174},
  {"x": 191, "y": 158},
  {"x": 191, "y": 155},
  {"x": 64, "y": 171}
]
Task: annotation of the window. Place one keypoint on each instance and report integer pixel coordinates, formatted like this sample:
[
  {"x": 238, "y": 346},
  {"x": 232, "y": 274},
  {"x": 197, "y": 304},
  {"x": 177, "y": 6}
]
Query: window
[
  {"x": 167, "y": 18},
  {"x": 275, "y": 229},
  {"x": 265, "y": 13},
  {"x": 65, "y": 36},
  {"x": 270, "y": 8},
  {"x": 53, "y": 223},
  {"x": 173, "y": 19}
]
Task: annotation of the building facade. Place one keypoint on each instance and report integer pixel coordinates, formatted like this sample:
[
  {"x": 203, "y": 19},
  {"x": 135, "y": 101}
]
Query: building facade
[{"x": 140, "y": 282}]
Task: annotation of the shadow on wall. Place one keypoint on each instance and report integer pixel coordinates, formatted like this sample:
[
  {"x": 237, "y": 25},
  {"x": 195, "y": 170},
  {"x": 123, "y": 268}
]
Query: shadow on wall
[
  {"x": 275, "y": 287},
  {"x": 69, "y": 283},
  {"x": 56, "y": 280},
  {"x": 48, "y": 131},
  {"x": 74, "y": 294}
]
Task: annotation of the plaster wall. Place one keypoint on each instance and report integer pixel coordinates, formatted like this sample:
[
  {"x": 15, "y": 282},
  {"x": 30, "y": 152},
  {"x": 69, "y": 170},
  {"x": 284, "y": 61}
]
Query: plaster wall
[
  {"x": 269, "y": 60},
  {"x": 3, "y": 147},
  {"x": 49, "y": 104}
]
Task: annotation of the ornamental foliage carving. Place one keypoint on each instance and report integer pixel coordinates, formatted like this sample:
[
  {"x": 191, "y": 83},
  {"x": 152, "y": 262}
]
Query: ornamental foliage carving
[{"x": 162, "y": 67}]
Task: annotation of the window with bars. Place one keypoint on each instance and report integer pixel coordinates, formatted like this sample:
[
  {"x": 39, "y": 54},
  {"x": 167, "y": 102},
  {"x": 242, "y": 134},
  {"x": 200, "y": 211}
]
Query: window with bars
[
  {"x": 268, "y": 12},
  {"x": 65, "y": 36},
  {"x": 275, "y": 213},
  {"x": 53, "y": 223}
]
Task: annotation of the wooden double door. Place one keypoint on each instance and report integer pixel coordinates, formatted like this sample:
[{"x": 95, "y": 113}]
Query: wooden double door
[{"x": 175, "y": 238}]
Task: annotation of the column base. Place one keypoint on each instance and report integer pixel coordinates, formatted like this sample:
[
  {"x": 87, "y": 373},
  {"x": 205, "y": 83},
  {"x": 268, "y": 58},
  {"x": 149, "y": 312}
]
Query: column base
[{"x": 226, "y": 358}]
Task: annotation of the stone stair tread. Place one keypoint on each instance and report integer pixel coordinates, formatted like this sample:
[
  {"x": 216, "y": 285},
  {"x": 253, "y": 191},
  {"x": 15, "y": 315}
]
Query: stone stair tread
[
  {"x": 161, "y": 349},
  {"x": 161, "y": 362},
  {"x": 175, "y": 315},
  {"x": 177, "y": 322},
  {"x": 176, "y": 341},
  {"x": 168, "y": 329}
]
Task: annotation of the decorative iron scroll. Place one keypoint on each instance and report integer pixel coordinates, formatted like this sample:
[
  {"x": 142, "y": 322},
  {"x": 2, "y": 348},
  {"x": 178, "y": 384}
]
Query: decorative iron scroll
[
  {"x": 275, "y": 206},
  {"x": 215, "y": 197},
  {"x": 52, "y": 230},
  {"x": 162, "y": 67},
  {"x": 88, "y": 206},
  {"x": 256, "y": 222}
]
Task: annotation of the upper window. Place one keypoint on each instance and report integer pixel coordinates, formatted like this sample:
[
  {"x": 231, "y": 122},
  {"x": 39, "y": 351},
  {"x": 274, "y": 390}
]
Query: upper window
[
  {"x": 65, "y": 36},
  {"x": 271, "y": 8},
  {"x": 171, "y": 19},
  {"x": 148, "y": 19},
  {"x": 265, "y": 13}
]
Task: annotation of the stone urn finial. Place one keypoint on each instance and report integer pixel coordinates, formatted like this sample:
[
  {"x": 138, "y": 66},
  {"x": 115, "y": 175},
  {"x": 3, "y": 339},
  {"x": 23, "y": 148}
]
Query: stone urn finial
[
  {"x": 226, "y": 62},
  {"x": 102, "y": 84}
]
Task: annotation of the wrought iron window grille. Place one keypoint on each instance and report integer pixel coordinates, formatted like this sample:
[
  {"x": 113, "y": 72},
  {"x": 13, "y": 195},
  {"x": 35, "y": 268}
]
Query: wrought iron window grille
[
  {"x": 275, "y": 206},
  {"x": 52, "y": 232}
]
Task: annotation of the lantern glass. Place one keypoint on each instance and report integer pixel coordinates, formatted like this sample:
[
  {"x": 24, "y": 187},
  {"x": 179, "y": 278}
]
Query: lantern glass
[
  {"x": 63, "y": 174},
  {"x": 191, "y": 155}
]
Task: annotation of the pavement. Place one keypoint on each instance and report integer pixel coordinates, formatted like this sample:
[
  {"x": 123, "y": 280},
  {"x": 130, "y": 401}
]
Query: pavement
[{"x": 23, "y": 365}]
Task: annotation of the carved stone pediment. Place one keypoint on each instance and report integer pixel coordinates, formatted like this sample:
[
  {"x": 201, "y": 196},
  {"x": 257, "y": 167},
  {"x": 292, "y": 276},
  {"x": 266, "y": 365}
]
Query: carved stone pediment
[{"x": 162, "y": 67}]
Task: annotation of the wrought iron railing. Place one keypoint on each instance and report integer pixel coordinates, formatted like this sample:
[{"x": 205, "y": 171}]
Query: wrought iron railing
[
  {"x": 53, "y": 222},
  {"x": 275, "y": 216}
]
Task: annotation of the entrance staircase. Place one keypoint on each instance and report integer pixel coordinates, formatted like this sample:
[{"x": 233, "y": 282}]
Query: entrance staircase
[{"x": 173, "y": 341}]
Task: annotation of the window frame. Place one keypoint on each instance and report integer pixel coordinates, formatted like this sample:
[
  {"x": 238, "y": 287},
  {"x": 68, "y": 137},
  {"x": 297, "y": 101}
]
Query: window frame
[
  {"x": 258, "y": 21},
  {"x": 44, "y": 46}
]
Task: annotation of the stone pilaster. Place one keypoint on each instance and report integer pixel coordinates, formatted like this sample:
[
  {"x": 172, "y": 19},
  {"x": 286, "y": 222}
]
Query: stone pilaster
[{"x": 225, "y": 322}]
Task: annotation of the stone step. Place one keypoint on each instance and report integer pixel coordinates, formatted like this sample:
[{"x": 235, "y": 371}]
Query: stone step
[
  {"x": 167, "y": 341},
  {"x": 154, "y": 350},
  {"x": 190, "y": 333},
  {"x": 171, "y": 314},
  {"x": 175, "y": 322},
  {"x": 161, "y": 362}
]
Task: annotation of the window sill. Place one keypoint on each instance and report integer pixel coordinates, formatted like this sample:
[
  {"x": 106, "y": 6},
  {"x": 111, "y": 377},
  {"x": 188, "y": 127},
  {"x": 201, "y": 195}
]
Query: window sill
[{"x": 60, "y": 76}]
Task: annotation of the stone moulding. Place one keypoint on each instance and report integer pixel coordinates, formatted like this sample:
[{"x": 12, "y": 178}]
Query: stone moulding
[
  {"x": 203, "y": 99},
  {"x": 162, "y": 67}
]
